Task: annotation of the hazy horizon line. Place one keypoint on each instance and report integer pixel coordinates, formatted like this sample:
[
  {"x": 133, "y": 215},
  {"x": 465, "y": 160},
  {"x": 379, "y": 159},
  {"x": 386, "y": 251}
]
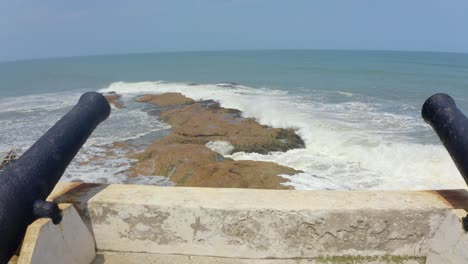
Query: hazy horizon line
[{"x": 220, "y": 50}]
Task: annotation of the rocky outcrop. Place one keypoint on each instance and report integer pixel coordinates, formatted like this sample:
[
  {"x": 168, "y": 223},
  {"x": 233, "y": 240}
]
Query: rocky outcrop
[
  {"x": 201, "y": 122},
  {"x": 196, "y": 165},
  {"x": 183, "y": 157},
  {"x": 166, "y": 99},
  {"x": 113, "y": 98}
]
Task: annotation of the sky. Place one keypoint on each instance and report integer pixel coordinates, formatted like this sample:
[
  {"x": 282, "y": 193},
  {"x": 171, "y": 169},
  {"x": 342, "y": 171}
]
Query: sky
[{"x": 56, "y": 28}]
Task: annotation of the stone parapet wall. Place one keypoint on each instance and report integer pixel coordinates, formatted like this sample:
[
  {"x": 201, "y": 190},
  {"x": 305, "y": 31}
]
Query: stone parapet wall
[{"x": 263, "y": 224}]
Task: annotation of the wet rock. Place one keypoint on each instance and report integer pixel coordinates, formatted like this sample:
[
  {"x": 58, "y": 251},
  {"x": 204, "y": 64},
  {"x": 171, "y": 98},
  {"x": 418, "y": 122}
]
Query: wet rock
[
  {"x": 113, "y": 98},
  {"x": 197, "y": 166},
  {"x": 166, "y": 99},
  {"x": 183, "y": 158},
  {"x": 202, "y": 122}
]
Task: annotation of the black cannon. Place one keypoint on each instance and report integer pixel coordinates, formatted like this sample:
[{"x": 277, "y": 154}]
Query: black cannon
[
  {"x": 441, "y": 112},
  {"x": 25, "y": 185}
]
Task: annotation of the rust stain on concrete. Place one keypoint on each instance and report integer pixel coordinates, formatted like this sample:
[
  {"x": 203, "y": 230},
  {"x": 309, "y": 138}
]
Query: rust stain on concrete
[
  {"x": 457, "y": 199},
  {"x": 76, "y": 192}
]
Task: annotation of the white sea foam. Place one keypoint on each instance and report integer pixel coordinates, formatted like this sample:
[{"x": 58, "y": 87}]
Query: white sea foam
[
  {"x": 98, "y": 164},
  {"x": 349, "y": 145},
  {"x": 348, "y": 94},
  {"x": 352, "y": 144},
  {"x": 38, "y": 102},
  {"x": 25, "y": 118},
  {"x": 222, "y": 147}
]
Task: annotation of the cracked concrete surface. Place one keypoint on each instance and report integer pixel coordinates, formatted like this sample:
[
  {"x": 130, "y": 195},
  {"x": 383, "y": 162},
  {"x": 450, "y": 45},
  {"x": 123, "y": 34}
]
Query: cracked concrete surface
[
  {"x": 260, "y": 234},
  {"x": 450, "y": 243},
  {"x": 263, "y": 224},
  {"x": 67, "y": 242}
]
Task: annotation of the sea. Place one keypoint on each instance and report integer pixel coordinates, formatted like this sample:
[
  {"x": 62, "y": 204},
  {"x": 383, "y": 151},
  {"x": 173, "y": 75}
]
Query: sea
[{"x": 358, "y": 112}]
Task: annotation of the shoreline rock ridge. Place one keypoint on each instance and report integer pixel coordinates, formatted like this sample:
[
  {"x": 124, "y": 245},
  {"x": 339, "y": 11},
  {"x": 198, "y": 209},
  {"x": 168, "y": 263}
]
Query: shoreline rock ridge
[{"x": 184, "y": 158}]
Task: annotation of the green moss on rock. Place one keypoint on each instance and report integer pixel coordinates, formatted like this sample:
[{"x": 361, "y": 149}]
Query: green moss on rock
[{"x": 390, "y": 259}]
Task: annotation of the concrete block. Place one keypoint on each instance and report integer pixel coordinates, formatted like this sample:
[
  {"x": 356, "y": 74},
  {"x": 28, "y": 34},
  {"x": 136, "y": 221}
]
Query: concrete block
[
  {"x": 450, "y": 243},
  {"x": 259, "y": 224},
  {"x": 68, "y": 242}
]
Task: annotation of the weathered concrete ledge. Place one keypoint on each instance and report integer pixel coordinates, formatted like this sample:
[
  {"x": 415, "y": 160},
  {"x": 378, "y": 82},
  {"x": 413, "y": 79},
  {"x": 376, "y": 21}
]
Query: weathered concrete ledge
[
  {"x": 325, "y": 226},
  {"x": 138, "y": 258},
  {"x": 68, "y": 242}
]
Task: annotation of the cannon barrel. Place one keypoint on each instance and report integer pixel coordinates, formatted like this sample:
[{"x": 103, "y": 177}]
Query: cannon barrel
[
  {"x": 441, "y": 112},
  {"x": 25, "y": 184}
]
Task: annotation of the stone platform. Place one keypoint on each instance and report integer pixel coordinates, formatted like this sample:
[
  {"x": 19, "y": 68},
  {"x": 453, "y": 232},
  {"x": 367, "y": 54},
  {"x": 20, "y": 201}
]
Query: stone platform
[{"x": 149, "y": 224}]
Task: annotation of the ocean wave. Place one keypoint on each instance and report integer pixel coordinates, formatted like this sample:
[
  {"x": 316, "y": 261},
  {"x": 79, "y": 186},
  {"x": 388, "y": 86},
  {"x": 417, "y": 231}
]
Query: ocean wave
[
  {"x": 24, "y": 119},
  {"x": 349, "y": 145},
  {"x": 355, "y": 143}
]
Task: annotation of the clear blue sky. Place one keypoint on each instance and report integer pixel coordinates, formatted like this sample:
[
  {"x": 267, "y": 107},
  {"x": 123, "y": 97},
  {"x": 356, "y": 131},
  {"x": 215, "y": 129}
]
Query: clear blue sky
[{"x": 57, "y": 28}]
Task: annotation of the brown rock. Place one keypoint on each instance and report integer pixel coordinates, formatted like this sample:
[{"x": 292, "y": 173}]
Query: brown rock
[
  {"x": 113, "y": 98},
  {"x": 196, "y": 165},
  {"x": 200, "y": 123},
  {"x": 183, "y": 158},
  {"x": 166, "y": 99}
]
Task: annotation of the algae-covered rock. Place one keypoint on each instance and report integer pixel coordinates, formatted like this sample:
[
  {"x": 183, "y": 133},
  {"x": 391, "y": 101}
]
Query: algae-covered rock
[
  {"x": 183, "y": 157},
  {"x": 202, "y": 122},
  {"x": 196, "y": 165},
  {"x": 166, "y": 99}
]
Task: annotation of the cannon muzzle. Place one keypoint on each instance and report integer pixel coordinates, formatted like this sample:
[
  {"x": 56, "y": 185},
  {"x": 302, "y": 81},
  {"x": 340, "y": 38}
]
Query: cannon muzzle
[
  {"x": 25, "y": 184},
  {"x": 441, "y": 112}
]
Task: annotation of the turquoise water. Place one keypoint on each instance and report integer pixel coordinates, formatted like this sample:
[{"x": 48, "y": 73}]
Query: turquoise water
[
  {"x": 402, "y": 76},
  {"x": 358, "y": 111}
]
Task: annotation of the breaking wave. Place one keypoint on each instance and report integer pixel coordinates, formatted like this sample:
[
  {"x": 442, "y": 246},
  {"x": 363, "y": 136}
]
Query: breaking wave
[{"x": 352, "y": 142}]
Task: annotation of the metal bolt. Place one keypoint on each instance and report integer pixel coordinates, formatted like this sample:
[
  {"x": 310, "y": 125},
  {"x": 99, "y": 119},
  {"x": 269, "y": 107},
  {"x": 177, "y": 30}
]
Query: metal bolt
[{"x": 465, "y": 223}]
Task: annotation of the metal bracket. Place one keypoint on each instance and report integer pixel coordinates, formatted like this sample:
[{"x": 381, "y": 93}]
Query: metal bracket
[{"x": 48, "y": 210}]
